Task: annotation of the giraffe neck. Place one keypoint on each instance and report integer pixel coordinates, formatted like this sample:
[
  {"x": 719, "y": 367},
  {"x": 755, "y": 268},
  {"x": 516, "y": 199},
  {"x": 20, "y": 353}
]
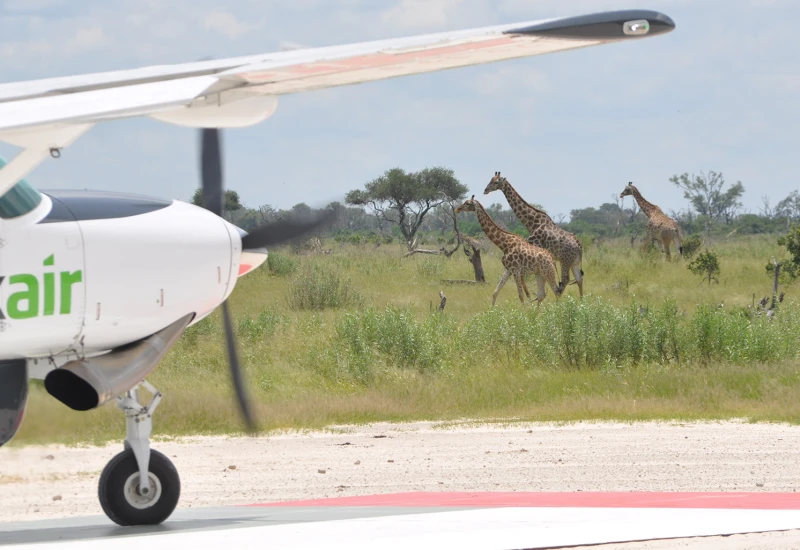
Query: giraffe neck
[
  {"x": 647, "y": 207},
  {"x": 497, "y": 235},
  {"x": 531, "y": 217}
]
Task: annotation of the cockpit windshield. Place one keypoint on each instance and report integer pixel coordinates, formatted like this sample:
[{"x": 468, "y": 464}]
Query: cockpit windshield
[{"x": 19, "y": 200}]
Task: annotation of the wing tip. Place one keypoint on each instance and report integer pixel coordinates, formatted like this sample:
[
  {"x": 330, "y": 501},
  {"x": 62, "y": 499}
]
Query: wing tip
[{"x": 603, "y": 26}]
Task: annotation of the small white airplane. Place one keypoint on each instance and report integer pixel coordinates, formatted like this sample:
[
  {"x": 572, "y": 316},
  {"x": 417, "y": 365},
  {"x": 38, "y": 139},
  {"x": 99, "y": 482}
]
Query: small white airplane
[{"x": 95, "y": 287}]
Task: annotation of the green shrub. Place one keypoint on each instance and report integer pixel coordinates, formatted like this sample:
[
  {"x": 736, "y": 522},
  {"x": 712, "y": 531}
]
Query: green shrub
[
  {"x": 262, "y": 326},
  {"x": 318, "y": 287},
  {"x": 707, "y": 265},
  {"x": 280, "y": 264},
  {"x": 690, "y": 246}
]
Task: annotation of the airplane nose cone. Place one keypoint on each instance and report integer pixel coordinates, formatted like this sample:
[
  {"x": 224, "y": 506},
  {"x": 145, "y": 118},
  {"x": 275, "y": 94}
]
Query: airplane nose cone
[{"x": 251, "y": 258}]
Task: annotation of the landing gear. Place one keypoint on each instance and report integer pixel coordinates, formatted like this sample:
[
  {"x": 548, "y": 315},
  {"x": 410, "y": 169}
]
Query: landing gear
[{"x": 139, "y": 486}]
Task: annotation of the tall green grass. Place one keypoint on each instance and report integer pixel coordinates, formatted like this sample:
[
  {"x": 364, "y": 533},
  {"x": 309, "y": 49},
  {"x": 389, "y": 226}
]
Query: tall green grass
[{"x": 587, "y": 334}]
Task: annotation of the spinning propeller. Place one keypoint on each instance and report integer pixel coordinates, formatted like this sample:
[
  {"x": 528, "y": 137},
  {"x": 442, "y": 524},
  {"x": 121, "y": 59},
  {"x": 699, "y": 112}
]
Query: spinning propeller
[{"x": 269, "y": 234}]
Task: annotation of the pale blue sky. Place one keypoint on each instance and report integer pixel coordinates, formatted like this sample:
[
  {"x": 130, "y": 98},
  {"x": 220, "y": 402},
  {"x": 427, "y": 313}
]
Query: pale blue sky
[{"x": 568, "y": 129}]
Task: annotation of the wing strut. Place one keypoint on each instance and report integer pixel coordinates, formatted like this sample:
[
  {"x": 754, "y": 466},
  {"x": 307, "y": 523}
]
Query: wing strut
[{"x": 38, "y": 145}]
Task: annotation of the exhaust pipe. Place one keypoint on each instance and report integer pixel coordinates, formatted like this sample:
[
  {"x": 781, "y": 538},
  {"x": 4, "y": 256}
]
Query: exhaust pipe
[{"x": 88, "y": 383}]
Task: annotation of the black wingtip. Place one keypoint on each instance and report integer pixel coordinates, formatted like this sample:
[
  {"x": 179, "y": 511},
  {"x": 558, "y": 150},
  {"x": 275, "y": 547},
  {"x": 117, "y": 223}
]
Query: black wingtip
[{"x": 610, "y": 25}]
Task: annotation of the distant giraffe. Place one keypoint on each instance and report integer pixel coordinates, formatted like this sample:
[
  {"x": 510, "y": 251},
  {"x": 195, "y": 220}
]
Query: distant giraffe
[
  {"x": 519, "y": 256},
  {"x": 660, "y": 227},
  {"x": 563, "y": 245}
]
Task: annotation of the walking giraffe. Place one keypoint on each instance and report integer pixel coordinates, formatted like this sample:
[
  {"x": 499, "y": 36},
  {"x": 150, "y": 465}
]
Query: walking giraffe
[
  {"x": 660, "y": 227},
  {"x": 563, "y": 245},
  {"x": 519, "y": 256}
]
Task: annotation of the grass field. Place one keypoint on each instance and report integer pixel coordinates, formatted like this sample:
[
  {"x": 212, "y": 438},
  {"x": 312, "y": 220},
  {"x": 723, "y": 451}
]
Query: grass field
[{"x": 354, "y": 336}]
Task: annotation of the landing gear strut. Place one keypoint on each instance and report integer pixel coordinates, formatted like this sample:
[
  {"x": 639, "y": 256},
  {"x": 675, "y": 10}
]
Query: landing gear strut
[{"x": 139, "y": 486}]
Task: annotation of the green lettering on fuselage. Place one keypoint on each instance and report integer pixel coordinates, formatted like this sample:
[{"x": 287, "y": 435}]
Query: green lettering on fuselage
[
  {"x": 67, "y": 280},
  {"x": 23, "y": 303},
  {"x": 29, "y": 297}
]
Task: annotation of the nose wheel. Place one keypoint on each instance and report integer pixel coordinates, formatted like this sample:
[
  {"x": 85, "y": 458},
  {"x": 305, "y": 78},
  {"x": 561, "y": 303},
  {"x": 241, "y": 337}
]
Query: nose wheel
[
  {"x": 139, "y": 486},
  {"x": 127, "y": 502}
]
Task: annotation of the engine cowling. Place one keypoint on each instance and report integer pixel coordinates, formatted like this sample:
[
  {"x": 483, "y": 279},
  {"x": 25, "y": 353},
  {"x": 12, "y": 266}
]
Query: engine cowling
[{"x": 88, "y": 383}]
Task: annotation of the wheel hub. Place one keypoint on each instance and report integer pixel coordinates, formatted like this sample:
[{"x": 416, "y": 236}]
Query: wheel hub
[{"x": 142, "y": 497}]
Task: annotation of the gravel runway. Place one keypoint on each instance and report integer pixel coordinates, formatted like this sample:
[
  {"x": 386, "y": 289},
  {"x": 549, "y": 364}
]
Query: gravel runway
[{"x": 56, "y": 481}]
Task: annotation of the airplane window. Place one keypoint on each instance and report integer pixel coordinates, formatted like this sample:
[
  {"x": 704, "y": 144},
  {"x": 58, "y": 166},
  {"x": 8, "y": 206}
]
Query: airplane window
[{"x": 19, "y": 200}]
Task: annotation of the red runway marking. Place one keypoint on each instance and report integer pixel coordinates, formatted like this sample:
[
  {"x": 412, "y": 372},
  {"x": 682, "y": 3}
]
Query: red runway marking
[{"x": 756, "y": 501}]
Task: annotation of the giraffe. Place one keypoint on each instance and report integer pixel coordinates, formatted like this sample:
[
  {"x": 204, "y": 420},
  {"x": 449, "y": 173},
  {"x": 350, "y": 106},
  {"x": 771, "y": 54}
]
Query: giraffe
[
  {"x": 519, "y": 256},
  {"x": 563, "y": 245},
  {"x": 660, "y": 227}
]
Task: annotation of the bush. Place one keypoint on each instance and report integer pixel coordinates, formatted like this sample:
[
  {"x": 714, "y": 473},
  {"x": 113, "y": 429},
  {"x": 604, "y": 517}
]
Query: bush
[
  {"x": 262, "y": 326},
  {"x": 317, "y": 287},
  {"x": 364, "y": 341},
  {"x": 707, "y": 265},
  {"x": 281, "y": 265},
  {"x": 790, "y": 267},
  {"x": 690, "y": 246}
]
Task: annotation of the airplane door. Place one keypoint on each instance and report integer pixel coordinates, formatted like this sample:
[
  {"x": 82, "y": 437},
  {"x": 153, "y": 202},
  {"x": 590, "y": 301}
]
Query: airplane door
[{"x": 42, "y": 291}]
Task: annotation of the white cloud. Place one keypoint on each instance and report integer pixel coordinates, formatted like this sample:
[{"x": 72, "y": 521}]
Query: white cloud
[
  {"x": 86, "y": 39},
  {"x": 513, "y": 81},
  {"x": 416, "y": 14},
  {"x": 29, "y": 49},
  {"x": 226, "y": 24},
  {"x": 31, "y": 5}
]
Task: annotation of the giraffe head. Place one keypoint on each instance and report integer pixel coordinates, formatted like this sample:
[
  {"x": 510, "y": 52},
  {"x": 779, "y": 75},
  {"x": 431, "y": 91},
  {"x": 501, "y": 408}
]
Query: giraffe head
[
  {"x": 495, "y": 184},
  {"x": 468, "y": 206},
  {"x": 629, "y": 189}
]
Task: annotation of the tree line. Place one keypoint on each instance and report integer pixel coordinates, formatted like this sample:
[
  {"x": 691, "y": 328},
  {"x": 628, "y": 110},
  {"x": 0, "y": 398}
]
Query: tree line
[{"x": 417, "y": 207}]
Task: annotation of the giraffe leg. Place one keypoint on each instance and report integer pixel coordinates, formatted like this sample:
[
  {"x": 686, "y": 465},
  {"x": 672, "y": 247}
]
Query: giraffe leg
[
  {"x": 542, "y": 290},
  {"x": 576, "y": 269},
  {"x": 519, "y": 279},
  {"x": 525, "y": 288},
  {"x": 502, "y": 282},
  {"x": 564, "y": 277},
  {"x": 666, "y": 248}
]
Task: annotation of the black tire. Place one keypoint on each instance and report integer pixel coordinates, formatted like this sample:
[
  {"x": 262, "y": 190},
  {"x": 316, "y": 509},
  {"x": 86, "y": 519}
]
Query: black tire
[{"x": 112, "y": 490}]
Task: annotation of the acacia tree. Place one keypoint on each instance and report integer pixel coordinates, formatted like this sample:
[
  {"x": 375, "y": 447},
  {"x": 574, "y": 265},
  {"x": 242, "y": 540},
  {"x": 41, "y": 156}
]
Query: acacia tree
[
  {"x": 405, "y": 198},
  {"x": 231, "y": 201},
  {"x": 789, "y": 207},
  {"x": 706, "y": 195}
]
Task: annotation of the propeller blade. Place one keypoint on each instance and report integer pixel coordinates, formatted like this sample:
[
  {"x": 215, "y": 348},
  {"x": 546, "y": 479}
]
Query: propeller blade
[
  {"x": 211, "y": 170},
  {"x": 213, "y": 197},
  {"x": 236, "y": 371},
  {"x": 285, "y": 230}
]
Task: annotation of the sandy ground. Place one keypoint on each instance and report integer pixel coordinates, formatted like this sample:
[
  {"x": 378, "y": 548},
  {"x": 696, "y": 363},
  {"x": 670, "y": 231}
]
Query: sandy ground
[{"x": 56, "y": 481}]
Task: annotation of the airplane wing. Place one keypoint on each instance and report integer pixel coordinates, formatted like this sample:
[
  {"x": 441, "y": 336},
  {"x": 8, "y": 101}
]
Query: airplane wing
[{"x": 44, "y": 116}]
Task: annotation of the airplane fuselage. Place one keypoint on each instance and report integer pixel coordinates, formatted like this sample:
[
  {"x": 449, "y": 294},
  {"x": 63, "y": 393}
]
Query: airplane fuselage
[{"x": 101, "y": 270}]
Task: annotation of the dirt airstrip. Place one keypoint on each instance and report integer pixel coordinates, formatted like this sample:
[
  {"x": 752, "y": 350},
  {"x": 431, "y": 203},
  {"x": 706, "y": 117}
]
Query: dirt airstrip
[{"x": 56, "y": 481}]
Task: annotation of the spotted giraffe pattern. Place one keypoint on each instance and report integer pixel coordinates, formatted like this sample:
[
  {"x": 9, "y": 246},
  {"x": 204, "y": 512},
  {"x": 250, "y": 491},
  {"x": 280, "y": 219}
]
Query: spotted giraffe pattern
[
  {"x": 660, "y": 227},
  {"x": 563, "y": 245},
  {"x": 519, "y": 256}
]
